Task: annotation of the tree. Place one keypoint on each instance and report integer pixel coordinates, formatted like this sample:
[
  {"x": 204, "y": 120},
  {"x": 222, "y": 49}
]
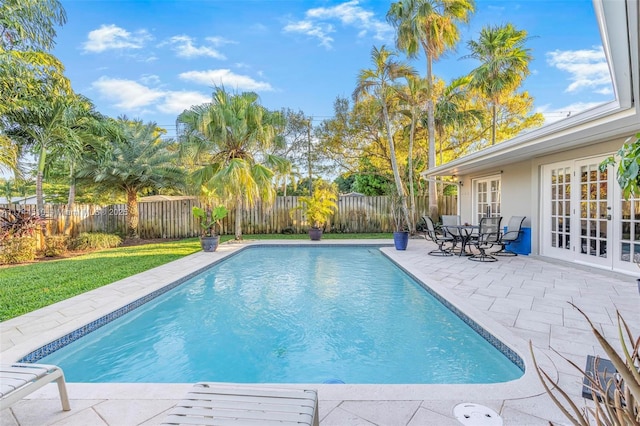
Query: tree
[
  {"x": 28, "y": 74},
  {"x": 412, "y": 97},
  {"x": 379, "y": 82},
  {"x": 132, "y": 159},
  {"x": 48, "y": 127},
  {"x": 228, "y": 141},
  {"x": 295, "y": 147},
  {"x": 453, "y": 110},
  {"x": 432, "y": 26},
  {"x": 8, "y": 154},
  {"x": 345, "y": 182},
  {"x": 30, "y": 24},
  {"x": 504, "y": 64},
  {"x": 348, "y": 137}
]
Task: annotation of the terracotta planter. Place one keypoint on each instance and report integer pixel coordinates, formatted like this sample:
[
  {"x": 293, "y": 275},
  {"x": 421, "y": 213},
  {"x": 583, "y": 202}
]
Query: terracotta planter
[{"x": 209, "y": 244}]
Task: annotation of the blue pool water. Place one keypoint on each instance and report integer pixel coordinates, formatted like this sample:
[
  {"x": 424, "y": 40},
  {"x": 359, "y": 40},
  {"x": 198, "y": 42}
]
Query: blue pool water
[{"x": 290, "y": 315}]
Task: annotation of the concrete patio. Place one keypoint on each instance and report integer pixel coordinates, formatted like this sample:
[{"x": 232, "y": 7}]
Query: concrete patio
[{"x": 517, "y": 299}]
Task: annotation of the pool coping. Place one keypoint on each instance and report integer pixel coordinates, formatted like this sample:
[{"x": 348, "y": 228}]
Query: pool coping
[{"x": 34, "y": 330}]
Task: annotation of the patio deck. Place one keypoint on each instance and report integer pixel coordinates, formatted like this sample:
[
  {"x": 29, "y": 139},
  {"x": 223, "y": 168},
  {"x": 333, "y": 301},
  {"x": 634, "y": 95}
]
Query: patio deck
[{"x": 517, "y": 299}]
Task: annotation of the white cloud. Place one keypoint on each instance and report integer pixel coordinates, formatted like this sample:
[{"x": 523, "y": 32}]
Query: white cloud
[
  {"x": 126, "y": 94},
  {"x": 150, "y": 79},
  {"x": 317, "y": 30},
  {"x": 184, "y": 47},
  {"x": 348, "y": 14},
  {"x": 227, "y": 78},
  {"x": 177, "y": 102},
  {"x": 220, "y": 41},
  {"x": 588, "y": 69},
  {"x": 134, "y": 97},
  {"x": 111, "y": 37}
]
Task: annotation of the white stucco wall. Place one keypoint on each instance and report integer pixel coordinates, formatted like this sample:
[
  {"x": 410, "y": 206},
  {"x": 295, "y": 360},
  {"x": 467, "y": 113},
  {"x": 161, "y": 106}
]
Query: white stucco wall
[{"x": 520, "y": 191}]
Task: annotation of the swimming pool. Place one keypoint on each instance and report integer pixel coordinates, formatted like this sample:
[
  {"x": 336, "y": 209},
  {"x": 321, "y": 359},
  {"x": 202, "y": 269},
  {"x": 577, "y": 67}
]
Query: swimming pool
[{"x": 389, "y": 333}]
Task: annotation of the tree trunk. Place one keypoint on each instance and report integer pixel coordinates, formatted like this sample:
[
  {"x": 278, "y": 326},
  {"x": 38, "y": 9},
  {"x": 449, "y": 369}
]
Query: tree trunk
[
  {"x": 494, "y": 121},
  {"x": 132, "y": 214},
  {"x": 394, "y": 164},
  {"x": 238, "y": 224},
  {"x": 412, "y": 196},
  {"x": 70, "y": 204},
  {"x": 39, "y": 179},
  {"x": 433, "y": 189}
]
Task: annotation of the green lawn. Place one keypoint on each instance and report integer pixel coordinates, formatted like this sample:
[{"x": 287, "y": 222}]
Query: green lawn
[{"x": 25, "y": 288}]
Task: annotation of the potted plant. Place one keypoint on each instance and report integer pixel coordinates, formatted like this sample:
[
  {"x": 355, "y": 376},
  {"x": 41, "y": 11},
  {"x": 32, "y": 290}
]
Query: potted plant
[
  {"x": 317, "y": 208},
  {"x": 401, "y": 228},
  {"x": 209, "y": 219}
]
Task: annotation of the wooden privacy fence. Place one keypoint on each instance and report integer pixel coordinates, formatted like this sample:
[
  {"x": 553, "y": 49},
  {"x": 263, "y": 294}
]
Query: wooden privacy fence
[{"x": 174, "y": 219}]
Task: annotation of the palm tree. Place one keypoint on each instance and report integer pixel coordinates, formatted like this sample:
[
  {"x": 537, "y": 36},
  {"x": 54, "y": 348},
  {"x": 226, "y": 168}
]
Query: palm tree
[
  {"x": 29, "y": 24},
  {"x": 379, "y": 82},
  {"x": 7, "y": 189},
  {"x": 432, "y": 26},
  {"x": 452, "y": 110},
  {"x": 228, "y": 140},
  {"x": 504, "y": 64},
  {"x": 133, "y": 159},
  {"x": 29, "y": 75},
  {"x": 8, "y": 154},
  {"x": 45, "y": 128},
  {"x": 412, "y": 97}
]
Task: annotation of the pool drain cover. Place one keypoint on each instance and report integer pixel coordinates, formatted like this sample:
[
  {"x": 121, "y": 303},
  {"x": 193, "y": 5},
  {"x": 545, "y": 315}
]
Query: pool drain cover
[{"x": 470, "y": 414}]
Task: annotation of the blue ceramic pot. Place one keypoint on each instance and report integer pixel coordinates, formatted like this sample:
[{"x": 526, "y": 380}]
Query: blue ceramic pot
[{"x": 401, "y": 240}]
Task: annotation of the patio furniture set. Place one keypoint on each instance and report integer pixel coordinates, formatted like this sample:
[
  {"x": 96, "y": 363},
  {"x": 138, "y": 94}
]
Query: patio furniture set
[{"x": 452, "y": 237}]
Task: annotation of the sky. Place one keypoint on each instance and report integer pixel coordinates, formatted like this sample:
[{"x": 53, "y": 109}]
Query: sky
[{"x": 152, "y": 59}]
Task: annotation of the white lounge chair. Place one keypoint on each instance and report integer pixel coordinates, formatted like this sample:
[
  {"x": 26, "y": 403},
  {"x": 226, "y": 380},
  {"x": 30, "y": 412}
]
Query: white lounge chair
[
  {"x": 19, "y": 380},
  {"x": 239, "y": 404}
]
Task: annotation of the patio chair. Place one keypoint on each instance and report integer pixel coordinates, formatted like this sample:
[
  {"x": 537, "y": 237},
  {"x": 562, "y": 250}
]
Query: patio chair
[
  {"x": 488, "y": 236},
  {"x": 239, "y": 404},
  {"x": 438, "y": 238},
  {"x": 19, "y": 380},
  {"x": 449, "y": 223},
  {"x": 514, "y": 230}
]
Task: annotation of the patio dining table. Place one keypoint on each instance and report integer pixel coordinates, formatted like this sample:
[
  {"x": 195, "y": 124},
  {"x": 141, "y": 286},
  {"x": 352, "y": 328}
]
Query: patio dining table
[{"x": 463, "y": 234}]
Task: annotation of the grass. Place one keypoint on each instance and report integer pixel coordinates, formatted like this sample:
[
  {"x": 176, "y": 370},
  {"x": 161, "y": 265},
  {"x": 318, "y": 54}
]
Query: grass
[{"x": 25, "y": 288}]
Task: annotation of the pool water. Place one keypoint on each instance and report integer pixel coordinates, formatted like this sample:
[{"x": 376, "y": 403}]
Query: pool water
[{"x": 290, "y": 314}]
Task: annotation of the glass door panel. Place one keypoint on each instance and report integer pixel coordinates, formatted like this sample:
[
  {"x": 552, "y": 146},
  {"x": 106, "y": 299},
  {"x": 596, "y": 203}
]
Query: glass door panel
[
  {"x": 594, "y": 213},
  {"x": 487, "y": 198},
  {"x": 560, "y": 189}
]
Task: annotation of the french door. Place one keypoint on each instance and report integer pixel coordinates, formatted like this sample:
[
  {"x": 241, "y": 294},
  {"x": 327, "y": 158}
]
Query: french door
[
  {"x": 579, "y": 212},
  {"x": 594, "y": 211},
  {"x": 486, "y": 197}
]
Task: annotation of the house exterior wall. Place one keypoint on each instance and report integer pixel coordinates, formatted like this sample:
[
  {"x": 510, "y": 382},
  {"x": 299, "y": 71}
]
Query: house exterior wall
[
  {"x": 606, "y": 147},
  {"x": 520, "y": 186}
]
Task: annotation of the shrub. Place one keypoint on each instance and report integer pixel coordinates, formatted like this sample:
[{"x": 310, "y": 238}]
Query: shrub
[
  {"x": 19, "y": 223},
  {"x": 55, "y": 245},
  {"x": 17, "y": 250},
  {"x": 95, "y": 240}
]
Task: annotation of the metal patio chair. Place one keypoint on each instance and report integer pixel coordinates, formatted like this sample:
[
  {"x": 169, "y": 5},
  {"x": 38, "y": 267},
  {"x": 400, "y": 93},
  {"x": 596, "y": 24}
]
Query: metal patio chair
[
  {"x": 488, "y": 236},
  {"x": 439, "y": 238},
  {"x": 513, "y": 233},
  {"x": 450, "y": 223}
]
